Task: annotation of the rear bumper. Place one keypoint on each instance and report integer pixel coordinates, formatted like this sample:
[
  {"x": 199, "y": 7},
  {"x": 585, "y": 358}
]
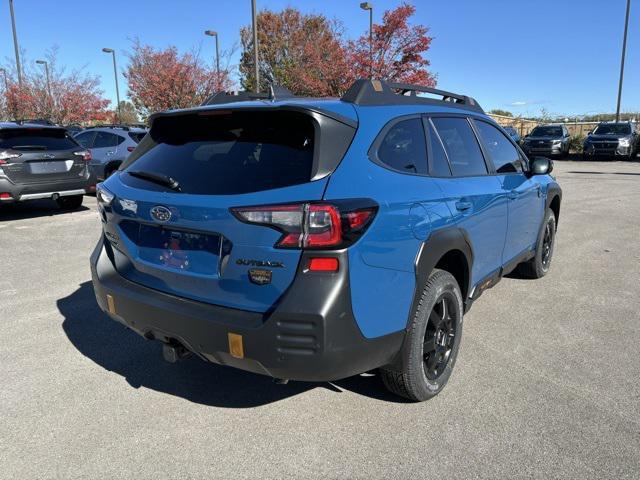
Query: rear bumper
[
  {"x": 310, "y": 335},
  {"x": 32, "y": 191}
]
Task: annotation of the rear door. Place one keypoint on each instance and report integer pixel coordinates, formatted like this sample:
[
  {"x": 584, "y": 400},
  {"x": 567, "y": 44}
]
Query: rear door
[
  {"x": 185, "y": 241},
  {"x": 474, "y": 197},
  {"x": 105, "y": 147},
  {"x": 40, "y": 155}
]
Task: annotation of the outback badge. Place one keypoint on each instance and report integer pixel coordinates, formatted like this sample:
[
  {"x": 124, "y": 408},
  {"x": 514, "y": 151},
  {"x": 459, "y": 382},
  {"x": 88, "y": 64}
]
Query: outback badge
[{"x": 260, "y": 276}]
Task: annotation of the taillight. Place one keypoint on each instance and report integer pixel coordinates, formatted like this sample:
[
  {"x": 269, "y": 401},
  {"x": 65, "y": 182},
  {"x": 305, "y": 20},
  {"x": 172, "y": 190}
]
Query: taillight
[
  {"x": 130, "y": 149},
  {"x": 85, "y": 154},
  {"x": 6, "y": 156},
  {"x": 105, "y": 197},
  {"x": 313, "y": 225}
]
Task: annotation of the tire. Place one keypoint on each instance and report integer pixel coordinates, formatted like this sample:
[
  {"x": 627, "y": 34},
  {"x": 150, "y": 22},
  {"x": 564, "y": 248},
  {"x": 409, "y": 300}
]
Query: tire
[
  {"x": 72, "y": 202},
  {"x": 431, "y": 345},
  {"x": 539, "y": 265}
]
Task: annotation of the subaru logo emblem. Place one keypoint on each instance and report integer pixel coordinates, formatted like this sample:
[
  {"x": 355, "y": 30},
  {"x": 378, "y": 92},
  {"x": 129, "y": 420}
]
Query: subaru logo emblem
[{"x": 160, "y": 213}]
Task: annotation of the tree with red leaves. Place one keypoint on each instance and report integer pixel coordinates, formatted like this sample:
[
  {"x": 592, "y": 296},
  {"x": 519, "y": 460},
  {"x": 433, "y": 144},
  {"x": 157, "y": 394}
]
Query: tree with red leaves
[
  {"x": 75, "y": 97},
  {"x": 307, "y": 54},
  {"x": 398, "y": 50},
  {"x": 164, "y": 79},
  {"x": 303, "y": 53}
]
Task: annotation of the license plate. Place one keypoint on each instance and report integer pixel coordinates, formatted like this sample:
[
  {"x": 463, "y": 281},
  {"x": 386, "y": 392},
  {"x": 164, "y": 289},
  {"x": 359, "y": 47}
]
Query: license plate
[{"x": 60, "y": 166}]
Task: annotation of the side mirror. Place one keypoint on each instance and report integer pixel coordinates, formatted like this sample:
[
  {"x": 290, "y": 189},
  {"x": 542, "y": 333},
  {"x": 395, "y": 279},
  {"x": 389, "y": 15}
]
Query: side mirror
[
  {"x": 590, "y": 132},
  {"x": 540, "y": 166}
]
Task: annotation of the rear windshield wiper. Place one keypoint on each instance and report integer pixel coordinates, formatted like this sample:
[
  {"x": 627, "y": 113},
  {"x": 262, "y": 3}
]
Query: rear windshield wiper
[
  {"x": 29, "y": 147},
  {"x": 164, "y": 180}
]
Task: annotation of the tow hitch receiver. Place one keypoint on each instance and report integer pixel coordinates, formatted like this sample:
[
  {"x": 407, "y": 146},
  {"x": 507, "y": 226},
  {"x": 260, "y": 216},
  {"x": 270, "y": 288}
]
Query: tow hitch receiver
[{"x": 173, "y": 353}]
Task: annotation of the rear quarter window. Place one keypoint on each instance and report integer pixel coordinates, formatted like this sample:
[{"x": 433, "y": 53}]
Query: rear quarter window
[
  {"x": 36, "y": 139},
  {"x": 228, "y": 152},
  {"x": 403, "y": 147},
  {"x": 136, "y": 136}
]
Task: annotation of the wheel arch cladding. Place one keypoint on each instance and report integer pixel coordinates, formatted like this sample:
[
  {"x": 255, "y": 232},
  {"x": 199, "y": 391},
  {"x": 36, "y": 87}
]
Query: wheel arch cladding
[
  {"x": 447, "y": 250},
  {"x": 554, "y": 205}
]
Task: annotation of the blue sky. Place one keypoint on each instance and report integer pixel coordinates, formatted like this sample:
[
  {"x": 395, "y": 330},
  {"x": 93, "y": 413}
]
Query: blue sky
[{"x": 519, "y": 55}]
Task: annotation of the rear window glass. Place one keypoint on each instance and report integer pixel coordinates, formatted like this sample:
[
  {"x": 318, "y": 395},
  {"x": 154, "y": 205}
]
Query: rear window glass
[
  {"x": 136, "y": 136},
  {"x": 36, "y": 139},
  {"x": 226, "y": 153}
]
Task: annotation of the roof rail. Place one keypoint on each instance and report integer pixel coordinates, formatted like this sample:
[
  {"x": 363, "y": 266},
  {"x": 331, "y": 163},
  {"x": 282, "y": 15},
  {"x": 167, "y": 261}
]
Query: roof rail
[
  {"x": 123, "y": 126},
  {"x": 275, "y": 93},
  {"x": 34, "y": 121},
  {"x": 379, "y": 92}
]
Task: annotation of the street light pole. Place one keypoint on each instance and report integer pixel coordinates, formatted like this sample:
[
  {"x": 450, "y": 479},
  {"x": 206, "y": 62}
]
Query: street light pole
[
  {"x": 254, "y": 21},
  {"x": 369, "y": 6},
  {"x": 212, "y": 33},
  {"x": 115, "y": 74},
  {"x": 15, "y": 43},
  {"x": 624, "y": 51},
  {"x": 46, "y": 71}
]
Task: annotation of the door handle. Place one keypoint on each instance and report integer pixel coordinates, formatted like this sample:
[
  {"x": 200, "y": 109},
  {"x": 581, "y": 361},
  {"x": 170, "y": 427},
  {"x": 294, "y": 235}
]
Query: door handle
[
  {"x": 463, "y": 206},
  {"x": 513, "y": 194}
]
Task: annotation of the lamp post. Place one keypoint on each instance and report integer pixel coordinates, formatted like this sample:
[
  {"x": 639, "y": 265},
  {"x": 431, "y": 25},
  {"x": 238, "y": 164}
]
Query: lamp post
[
  {"x": 46, "y": 70},
  {"x": 115, "y": 74},
  {"x": 15, "y": 43},
  {"x": 624, "y": 50},
  {"x": 369, "y": 6},
  {"x": 254, "y": 24},
  {"x": 213, "y": 33}
]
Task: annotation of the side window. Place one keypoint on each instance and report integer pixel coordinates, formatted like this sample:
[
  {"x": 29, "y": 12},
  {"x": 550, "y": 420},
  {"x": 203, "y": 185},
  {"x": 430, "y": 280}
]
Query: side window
[
  {"x": 105, "y": 140},
  {"x": 85, "y": 139},
  {"x": 465, "y": 156},
  {"x": 504, "y": 155},
  {"x": 404, "y": 147},
  {"x": 438, "y": 163}
]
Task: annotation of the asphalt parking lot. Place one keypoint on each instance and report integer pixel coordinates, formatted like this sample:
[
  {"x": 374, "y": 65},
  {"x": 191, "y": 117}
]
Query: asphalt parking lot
[{"x": 545, "y": 385}]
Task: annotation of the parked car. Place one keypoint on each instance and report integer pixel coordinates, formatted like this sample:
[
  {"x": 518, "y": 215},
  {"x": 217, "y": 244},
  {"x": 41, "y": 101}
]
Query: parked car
[
  {"x": 548, "y": 140},
  {"x": 513, "y": 133},
  {"x": 40, "y": 161},
  {"x": 110, "y": 145},
  {"x": 612, "y": 139},
  {"x": 315, "y": 239}
]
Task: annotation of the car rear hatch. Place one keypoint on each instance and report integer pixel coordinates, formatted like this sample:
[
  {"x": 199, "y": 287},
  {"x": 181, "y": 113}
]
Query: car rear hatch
[
  {"x": 170, "y": 221},
  {"x": 34, "y": 155}
]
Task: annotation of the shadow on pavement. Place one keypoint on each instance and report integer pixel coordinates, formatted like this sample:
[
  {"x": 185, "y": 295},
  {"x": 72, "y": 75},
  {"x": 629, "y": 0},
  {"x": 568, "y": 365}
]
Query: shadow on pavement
[
  {"x": 604, "y": 173},
  {"x": 35, "y": 209},
  {"x": 139, "y": 361}
]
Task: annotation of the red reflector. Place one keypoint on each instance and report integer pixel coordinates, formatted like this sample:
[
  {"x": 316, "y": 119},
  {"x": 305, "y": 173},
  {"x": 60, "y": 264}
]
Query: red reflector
[
  {"x": 326, "y": 264},
  {"x": 5, "y": 196},
  {"x": 358, "y": 219},
  {"x": 130, "y": 149}
]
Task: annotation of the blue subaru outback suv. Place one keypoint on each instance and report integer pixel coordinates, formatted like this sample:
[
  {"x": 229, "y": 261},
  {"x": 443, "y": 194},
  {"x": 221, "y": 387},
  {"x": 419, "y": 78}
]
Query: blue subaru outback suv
[{"x": 315, "y": 239}]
